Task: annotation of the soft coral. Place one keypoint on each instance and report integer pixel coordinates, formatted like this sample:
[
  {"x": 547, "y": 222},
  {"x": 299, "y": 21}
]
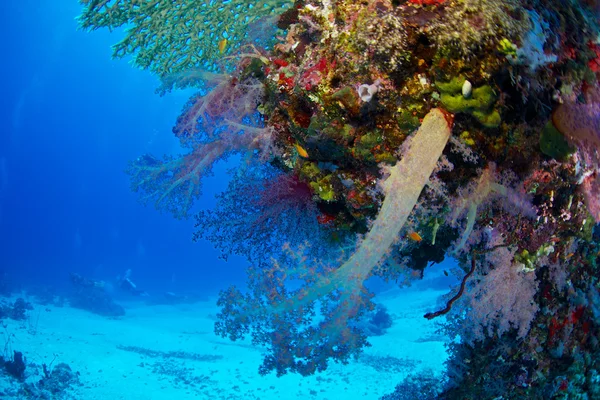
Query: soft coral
[
  {"x": 282, "y": 319},
  {"x": 226, "y": 105},
  {"x": 214, "y": 124}
]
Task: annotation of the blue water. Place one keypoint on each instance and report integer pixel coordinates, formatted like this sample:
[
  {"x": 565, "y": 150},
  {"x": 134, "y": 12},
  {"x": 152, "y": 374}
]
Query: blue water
[{"x": 71, "y": 120}]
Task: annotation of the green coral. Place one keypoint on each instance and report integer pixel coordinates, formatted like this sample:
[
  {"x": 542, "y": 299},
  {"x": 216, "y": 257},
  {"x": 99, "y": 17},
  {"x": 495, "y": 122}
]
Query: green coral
[
  {"x": 407, "y": 120},
  {"x": 173, "y": 36},
  {"x": 467, "y": 139},
  {"x": 364, "y": 146},
  {"x": 454, "y": 86},
  {"x": 553, "y": 143},
  {"x": 529, "y": 260},
  {"x": 309, "y": 170},
  {"x": 480, "y": 104},
  {"x": 507, "y": 48},
  {"x": 324, "y": 189},
  {"x": 318, "y": 180}
]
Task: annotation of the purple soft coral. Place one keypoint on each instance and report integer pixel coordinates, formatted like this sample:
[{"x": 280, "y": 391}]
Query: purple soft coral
[
  {"x": 580, "y": 123},
  {"x": 215, "y": 125},
  {"x": 227, "y": 105},
  {"x": 261, "y": 210},
  {"x": 285, "y": 320},
  {"x": 174, "y": 184}
]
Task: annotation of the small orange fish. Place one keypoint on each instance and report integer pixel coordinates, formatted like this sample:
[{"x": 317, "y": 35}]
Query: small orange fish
[
  {"x": 325, "y": 219},
  {"x": 303, "y": 153},
  {"x": 222, "y": 45},
  {"x": 415, "y": 236}
]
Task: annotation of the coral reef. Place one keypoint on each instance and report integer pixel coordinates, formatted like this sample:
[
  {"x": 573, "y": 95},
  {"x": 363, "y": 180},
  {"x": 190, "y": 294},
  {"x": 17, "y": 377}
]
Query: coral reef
[
  {"x": 93, "y": 297},
  {"x": 17, "y": 310},
  {"x": 28, "y": 380},
  {"x": 379, "y": 137},
  {"x": 468, "y": 28},
  {"x": 268, "y": 322}
]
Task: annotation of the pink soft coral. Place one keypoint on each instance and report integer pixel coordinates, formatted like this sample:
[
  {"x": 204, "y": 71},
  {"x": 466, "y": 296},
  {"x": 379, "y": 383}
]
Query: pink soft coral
[
  {"x": 500, "y": 298},
  {"x": 487, "y": 188},
  {"x": 227, "y": 105},
  {"x": 174, "y": 183}
]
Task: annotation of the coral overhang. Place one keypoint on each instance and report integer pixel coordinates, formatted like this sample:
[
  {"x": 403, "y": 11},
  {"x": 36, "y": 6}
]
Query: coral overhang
[{"x": 334, "y": 105}]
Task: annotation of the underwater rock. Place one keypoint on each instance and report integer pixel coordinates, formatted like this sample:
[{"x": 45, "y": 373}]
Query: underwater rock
[
  {"x": 378, "y": 321},
  {"x": 16, "y": 366},
  {"x": 58, "y": 379},
  {"x": 96, "y": 301},
  {"x": 17, "y": 311}
]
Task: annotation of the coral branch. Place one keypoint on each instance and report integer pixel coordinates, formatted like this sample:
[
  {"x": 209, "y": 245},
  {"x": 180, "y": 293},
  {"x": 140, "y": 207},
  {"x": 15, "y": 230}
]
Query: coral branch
[
  {"x": 261, "y": 210},
  {"x": 173, "y": 184}
]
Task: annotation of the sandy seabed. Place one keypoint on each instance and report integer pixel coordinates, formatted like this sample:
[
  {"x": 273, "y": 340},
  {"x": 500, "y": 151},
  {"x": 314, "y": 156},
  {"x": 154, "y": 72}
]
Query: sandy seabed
[{"x": 170, "y": 352}]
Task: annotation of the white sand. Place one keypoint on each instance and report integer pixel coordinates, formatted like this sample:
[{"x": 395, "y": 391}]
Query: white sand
[{"x": 90, "y": 345}]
